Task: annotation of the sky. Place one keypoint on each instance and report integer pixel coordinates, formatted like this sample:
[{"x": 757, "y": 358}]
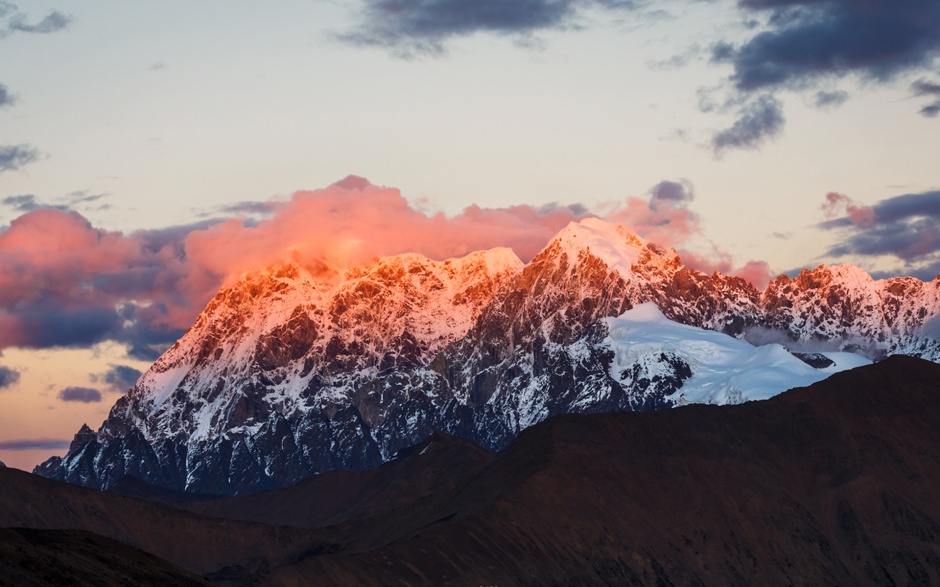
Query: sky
[{"x": 152, "y": 152}]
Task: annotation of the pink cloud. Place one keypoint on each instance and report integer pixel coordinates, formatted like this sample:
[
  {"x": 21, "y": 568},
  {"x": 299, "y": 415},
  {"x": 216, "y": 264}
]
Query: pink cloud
[
  {"x": 836, "y": 204},
  {"x": 664, "y": 225},
  {"x": 353, "y": 222},
  {"x": 756, "y": 272},
  {"x": 65, "y": 282}
]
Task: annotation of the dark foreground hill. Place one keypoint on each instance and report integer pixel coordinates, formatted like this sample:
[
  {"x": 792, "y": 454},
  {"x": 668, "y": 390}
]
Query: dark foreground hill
[
  {"x": 74, "y": 558},
  {"x": 838, "y": 483}
]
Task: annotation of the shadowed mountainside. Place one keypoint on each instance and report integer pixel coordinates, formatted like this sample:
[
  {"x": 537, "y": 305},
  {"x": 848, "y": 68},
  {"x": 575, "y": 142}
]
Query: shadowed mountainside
[
  {"x": 831, "y": 484},
  {"x": 74, "y": 558},
  {"x": 202, "y": 545}
]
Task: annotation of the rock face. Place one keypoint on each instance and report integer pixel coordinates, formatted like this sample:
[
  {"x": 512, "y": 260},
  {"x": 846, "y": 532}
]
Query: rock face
[{"x": 300, "y": 370}]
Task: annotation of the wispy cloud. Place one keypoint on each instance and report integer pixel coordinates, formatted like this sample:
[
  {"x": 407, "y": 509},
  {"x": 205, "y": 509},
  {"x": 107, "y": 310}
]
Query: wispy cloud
[
  {"x": 21, "y": 203},
  {"x": 119, "y": 378},
  {"x": 758, "y": 120},
  {"x": 54, "y": 21},
  {"x": 923, "y": 87},
  {"x": 12, "y": 20},
  {"x": 409, "y": 28},
  {"x": 85, "y": 395},
  {"x": 6, "y": 98},
  {"x": 671, "y": 193},
  {"x": 830, "y": 99},
  {"x": 34, "y": 444},
  {"x": 13, "y": 157},
  {"x": 8, "y": 377}
]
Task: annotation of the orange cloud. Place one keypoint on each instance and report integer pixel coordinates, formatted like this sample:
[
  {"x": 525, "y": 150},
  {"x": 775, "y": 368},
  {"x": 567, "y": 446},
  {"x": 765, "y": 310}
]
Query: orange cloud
[{"x": 352, "y": 222}]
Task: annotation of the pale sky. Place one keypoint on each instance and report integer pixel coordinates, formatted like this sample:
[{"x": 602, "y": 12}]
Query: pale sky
[{"x": 147, "y": 116}]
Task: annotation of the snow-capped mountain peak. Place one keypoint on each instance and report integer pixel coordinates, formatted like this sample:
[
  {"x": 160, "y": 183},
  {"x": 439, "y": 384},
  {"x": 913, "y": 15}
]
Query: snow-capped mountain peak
[
  {"x": 300, "y": 368},
  {"x": 617, "y": 247}
]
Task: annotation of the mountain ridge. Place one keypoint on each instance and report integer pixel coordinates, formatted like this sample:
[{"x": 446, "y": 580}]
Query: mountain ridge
[{"x": 285, "y": 375}]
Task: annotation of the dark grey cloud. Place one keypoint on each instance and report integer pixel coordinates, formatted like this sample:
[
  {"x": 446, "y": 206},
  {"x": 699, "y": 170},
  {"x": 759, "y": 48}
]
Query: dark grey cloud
[
  {"x": 83, "y": 197},
  {"x": 575, "y": 209},
  {"x": 757, "y": 121},
  {"x": 8, "y": 377},
  {"x": 806, "y": 40},
  {"x": 119, "y": 378},
  {"x": 249, "y": 208},
  {"x": 34, "y": 444},
  {"x": 805, "y": 45},
  {"x": 85, "y": 395},
  {"x": 28, "y": 202},
  {"x": 12, "y": 157},
  {"x": 925, "y": 88},
  {"x": 45, "y": 325},
  {"x": 22, "y": 202},
  {"x": 143, "y": 351},
  {"x": 54, "y": 21},
  {"x": 411, "y": 27},
  {"x": 930, "y": 89},
  {"x": 671, "y": 194},
  {"x": 172, "y": 237},
  {"x": 6, "y": 98},
  {"x": 931, "y": 110},
  {"x": 122, "y": 377},
  {"x": 829, "y": 99},
  {"x": 906, "y": 227}
]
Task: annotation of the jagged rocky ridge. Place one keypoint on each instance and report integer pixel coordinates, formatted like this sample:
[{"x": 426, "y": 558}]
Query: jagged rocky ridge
[{"x": 300, "y": 370}]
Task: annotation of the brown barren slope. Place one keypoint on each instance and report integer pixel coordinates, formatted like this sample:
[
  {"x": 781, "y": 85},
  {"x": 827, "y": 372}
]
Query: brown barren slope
[
  {"x": 74, "y": 558},
  {"x": 215, "y": 547}
]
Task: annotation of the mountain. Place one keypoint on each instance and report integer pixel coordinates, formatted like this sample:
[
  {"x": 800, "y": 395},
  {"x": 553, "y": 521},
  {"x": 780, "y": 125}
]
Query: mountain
[
  {"x": 830, "y": 484},
  {"x": 300, "y": 369},
  {"x": 292, "y": 372}
]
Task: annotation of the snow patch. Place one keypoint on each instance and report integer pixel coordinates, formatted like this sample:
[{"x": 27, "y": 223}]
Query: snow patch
[{"x": 725, "y": 370}]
